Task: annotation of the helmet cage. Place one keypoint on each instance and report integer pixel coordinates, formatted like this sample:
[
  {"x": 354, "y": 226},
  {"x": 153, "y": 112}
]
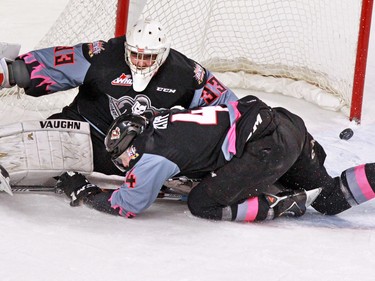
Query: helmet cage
[
  {"x": 146, "y": 48},
  {"x": 118, "y": 163},
  {"x": 122, "y": 133},
  {"x": 152, "y": 58}
]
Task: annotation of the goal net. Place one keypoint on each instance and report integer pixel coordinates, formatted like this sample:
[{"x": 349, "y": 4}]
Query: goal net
[{"x": 303, "y": 48}]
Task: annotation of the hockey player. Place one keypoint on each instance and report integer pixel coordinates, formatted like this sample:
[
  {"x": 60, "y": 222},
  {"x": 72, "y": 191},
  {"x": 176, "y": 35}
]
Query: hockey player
[
  {"x": 244, "y": 150},
  {"x": 139, "y": 73}
]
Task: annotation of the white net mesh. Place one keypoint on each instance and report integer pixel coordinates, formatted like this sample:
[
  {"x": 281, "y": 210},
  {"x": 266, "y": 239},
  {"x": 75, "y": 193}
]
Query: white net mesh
[
  {"x": 302, "y": 40},
  {"x": 81, "y": 21},
  {"x": 314, "y": 41}
]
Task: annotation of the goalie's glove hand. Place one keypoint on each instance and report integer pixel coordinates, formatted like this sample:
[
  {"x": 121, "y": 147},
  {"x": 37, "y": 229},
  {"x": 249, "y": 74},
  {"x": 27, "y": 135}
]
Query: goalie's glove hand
[{"x": 76, "y": 187}]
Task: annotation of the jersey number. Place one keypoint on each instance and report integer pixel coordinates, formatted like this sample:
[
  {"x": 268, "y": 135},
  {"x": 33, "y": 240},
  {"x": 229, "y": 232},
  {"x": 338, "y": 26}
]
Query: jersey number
[
  {"x": 203, "y": 116},
  {"x": 210, "y": 95},
  {"x": 64, "y": 55}
]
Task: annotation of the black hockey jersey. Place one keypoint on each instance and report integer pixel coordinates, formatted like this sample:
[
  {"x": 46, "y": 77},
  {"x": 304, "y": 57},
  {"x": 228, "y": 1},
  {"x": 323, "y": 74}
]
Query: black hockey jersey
[
  {"x": 181, "y": 142},
  {"x": 105, "y": 81}
]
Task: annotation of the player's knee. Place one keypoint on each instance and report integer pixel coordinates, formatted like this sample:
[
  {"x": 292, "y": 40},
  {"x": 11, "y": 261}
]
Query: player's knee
[
  {"x": 194, "y": 201},
  {"x": 202, "y": 205}
]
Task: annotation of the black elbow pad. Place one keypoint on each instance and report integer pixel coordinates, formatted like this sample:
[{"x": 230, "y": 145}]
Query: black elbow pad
[{"x": 19, "y": 74}]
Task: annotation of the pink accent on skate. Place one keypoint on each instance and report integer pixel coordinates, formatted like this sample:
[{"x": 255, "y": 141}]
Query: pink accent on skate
[
  {"x": 363, "y": 183},
  {"x": 252, "y": 209},
  {"x": 232, "y": 131}
]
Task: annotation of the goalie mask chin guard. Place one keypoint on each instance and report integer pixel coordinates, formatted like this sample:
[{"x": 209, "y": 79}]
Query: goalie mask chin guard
[
  {"x": 123, "y": 130},
  {"x": 146, "y": 49}
]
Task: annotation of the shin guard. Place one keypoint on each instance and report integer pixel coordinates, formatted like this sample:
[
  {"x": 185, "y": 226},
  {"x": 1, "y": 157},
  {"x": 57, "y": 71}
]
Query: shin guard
[{"x": 358, "y": 184}]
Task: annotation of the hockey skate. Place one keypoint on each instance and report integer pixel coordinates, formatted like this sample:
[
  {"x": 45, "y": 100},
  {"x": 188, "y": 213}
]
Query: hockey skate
[
  {"x": 5, "y": 181},
  {"x": 292, "y": 203}
]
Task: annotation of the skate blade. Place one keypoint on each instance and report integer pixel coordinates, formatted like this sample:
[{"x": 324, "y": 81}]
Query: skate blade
[
  {"x": 4, "y": 186},
  {"x": 311, "y": 195}
]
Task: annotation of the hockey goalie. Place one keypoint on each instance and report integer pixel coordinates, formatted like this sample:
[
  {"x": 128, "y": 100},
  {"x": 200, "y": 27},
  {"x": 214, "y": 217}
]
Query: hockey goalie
[{"x": 137, "y": 73}]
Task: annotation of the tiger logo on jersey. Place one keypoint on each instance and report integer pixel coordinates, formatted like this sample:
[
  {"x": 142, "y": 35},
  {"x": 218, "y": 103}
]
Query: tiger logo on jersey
[{"x": 140, "y": 105}]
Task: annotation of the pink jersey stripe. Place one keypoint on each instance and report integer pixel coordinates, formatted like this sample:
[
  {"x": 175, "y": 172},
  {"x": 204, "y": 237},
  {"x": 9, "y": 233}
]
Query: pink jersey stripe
[
  {"x": 232, "y": 139},
  {"x": 363, "y": 183},
  {"x": 232, "y": 131},
  {"x": 252, "y": 209}
]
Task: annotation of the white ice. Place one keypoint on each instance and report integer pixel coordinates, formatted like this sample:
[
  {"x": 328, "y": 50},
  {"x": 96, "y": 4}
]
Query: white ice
[{"x": 43, "y": 238}]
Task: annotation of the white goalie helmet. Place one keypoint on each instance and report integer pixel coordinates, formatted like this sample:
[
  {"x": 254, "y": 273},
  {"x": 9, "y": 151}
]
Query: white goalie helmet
[{"x": 146, "y": 49}]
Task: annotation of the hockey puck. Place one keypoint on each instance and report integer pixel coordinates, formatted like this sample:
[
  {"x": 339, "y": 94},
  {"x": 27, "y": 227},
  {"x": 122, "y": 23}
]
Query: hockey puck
[{"x": 346, "y": 134}]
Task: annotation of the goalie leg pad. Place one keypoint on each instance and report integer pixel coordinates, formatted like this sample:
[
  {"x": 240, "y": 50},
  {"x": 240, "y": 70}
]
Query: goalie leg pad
[{"x": 34, "y": 152}]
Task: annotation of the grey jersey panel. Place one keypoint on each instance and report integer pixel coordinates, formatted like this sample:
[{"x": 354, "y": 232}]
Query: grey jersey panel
[
  {"x": 213, "y": 93},
  {"x": 64, "y": 75},
  {"x": 143, "y": 183}
]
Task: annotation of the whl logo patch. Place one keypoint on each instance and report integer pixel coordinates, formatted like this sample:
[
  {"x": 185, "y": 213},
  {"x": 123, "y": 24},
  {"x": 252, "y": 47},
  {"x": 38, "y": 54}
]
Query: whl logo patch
[{"x": 123, "y": 80}]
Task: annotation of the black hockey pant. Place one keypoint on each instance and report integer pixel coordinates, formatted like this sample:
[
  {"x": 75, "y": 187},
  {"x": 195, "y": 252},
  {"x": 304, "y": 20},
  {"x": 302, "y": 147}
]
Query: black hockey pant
[{"x": 287, "y": 155}]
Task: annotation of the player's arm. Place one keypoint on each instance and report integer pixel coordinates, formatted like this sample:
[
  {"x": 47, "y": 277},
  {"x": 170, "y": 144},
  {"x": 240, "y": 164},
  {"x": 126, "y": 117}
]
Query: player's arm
[
  {"x": 142, "y": 185},
  {"x": 48, "y": 70},
  {"x": 140, "y": 189},
  {"x": 210, "y": 90}
]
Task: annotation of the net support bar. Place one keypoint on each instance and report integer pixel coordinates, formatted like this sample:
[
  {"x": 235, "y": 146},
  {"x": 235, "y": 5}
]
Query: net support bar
[
  {"x": 121, "y": 17},
  {"x": 360, "y": 66}
]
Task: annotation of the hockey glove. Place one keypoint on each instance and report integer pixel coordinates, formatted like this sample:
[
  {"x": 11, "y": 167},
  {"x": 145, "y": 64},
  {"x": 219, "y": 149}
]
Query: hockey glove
[{"x": 76, "y": 187}]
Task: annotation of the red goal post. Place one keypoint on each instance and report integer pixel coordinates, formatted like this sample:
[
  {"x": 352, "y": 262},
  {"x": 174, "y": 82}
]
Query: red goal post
[
  {"x": 122, "y": 17},
  {"x": 361, "y": 61}
]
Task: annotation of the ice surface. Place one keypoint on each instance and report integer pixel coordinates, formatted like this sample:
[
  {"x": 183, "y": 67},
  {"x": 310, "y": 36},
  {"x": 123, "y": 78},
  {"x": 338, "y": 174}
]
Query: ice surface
[{"x": 43, "y": 238}]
